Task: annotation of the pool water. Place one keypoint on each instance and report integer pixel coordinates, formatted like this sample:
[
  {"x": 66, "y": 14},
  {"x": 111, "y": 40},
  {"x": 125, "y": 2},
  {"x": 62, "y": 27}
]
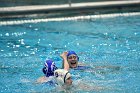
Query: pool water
[{"x": 111, "y": 46}]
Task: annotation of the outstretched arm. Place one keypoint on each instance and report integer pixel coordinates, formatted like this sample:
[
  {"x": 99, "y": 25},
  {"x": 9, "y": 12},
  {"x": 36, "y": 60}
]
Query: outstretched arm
[
  {"x": 42, "y": 79},
  {"x": 65, "y": 62}
]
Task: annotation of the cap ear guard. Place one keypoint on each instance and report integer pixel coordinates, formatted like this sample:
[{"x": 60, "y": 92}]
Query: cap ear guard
[
  {"x": 44, "y": 70},
  {"x": 77, "y": 58}
]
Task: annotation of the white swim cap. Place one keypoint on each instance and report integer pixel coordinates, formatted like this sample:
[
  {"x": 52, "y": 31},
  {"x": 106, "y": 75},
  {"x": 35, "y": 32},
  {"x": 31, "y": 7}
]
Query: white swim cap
[{"x": 61, "y": 76}]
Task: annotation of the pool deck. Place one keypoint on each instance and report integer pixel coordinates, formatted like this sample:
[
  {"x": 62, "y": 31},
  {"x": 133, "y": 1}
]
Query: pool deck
[{"x": 24, "y": 10}]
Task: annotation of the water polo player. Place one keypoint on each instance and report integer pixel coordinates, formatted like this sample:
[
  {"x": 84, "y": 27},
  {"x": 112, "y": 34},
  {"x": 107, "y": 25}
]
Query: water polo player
[
  {"x": 48, "y": 70},
  {"x": 72, "y": 59},
  {"x": 62, "y": 76}
]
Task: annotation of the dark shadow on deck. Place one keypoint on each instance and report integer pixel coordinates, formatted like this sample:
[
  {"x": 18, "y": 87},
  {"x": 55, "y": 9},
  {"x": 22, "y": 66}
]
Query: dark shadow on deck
[{"x": 68, "y": 9}]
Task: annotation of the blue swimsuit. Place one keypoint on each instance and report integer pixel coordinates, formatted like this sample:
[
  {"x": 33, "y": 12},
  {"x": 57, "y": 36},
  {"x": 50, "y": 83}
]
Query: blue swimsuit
[{"x": 82, "y": 68}]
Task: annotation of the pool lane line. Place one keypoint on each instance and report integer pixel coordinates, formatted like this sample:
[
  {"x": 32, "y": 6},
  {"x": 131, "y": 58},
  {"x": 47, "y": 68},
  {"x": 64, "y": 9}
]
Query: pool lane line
[{"x": 16, "y": 22}]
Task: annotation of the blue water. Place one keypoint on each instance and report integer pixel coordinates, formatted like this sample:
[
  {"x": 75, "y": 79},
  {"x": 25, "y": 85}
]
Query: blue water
[{"x": 111, "y": 46}]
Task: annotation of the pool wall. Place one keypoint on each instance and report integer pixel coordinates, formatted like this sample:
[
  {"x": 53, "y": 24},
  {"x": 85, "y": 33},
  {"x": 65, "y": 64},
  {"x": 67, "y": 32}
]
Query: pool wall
[
  {"x": 78, "y": 8},
  {"x": 12, "y": 3}
]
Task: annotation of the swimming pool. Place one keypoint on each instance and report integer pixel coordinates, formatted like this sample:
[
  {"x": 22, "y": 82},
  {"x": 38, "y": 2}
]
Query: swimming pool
[{"x": 109, "y": 45}]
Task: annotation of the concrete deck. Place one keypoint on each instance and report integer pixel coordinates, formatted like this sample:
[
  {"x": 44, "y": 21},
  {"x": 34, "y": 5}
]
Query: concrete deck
[{"x": 22, "y": 10}]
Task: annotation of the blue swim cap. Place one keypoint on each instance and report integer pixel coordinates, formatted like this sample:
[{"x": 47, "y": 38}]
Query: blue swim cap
[
  {"x": 72, "y": 52},
  {"x": 49, "y": 68}
]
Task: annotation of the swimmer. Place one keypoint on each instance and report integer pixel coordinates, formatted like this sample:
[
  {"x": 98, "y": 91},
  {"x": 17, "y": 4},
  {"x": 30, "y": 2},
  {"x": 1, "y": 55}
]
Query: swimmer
[
  {"x": 48, "y": 70},
  {"x": 72, "y": 59},
  {"x": 62, "y": 76}
]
